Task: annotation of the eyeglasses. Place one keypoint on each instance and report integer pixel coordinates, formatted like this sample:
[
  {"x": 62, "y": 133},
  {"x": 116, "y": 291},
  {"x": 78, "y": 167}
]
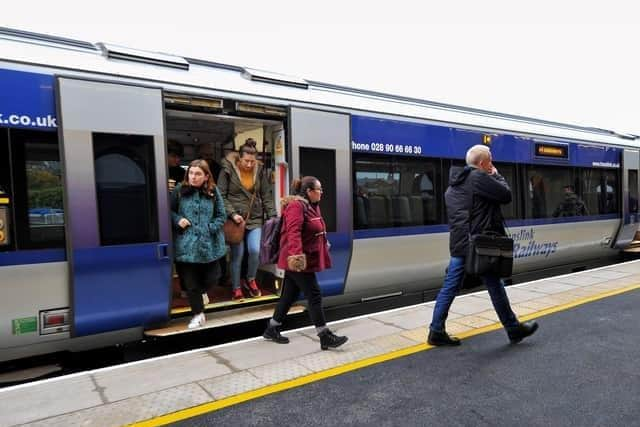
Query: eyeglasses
[{"x": 318, "y": 189}]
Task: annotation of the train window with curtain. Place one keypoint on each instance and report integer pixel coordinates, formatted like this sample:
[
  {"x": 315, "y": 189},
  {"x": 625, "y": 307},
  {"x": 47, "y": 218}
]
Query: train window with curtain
[
  {"x": 395, "y": 191},
  {"x": 553, "y": 191},
  {"x": 125, "y": 188},
  {"x": 600, "y": 191},
  {"x": 38, "y": 199}
]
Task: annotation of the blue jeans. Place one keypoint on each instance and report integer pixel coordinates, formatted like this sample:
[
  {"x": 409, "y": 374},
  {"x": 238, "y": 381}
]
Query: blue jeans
[
  {"x": 451, "y": 287},
  {"x": 252, "y": 239}
]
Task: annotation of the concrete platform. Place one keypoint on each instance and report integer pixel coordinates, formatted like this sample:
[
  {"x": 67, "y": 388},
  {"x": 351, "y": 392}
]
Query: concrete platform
[
  {"x": 176, "y": 387},
  {"x": 579, "y": 369}
]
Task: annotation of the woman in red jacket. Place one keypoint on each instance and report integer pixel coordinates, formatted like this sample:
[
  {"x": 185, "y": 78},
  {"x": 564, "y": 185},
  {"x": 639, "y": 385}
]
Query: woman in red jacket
[{"x": 304, "y": 251}]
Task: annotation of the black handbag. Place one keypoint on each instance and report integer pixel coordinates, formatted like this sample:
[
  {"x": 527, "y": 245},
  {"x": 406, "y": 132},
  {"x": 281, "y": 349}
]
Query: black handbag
[{"x": 489, "y": 253}]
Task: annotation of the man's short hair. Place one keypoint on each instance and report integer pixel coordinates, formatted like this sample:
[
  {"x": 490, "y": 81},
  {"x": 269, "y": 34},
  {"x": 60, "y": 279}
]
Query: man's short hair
[
  {"x": 174, "y": 147},
  {"x": 476, "y": 153}
]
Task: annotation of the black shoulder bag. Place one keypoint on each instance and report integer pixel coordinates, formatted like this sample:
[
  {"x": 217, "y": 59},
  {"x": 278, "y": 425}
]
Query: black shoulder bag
[{"x": 490, "y": 253}]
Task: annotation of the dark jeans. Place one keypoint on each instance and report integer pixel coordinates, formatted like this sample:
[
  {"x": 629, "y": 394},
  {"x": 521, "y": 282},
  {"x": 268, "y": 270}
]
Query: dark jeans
[
  {"x": 197, "y": 279},
  {"x": 293, "y": 284},
  {"x": 451, "y": 287}
]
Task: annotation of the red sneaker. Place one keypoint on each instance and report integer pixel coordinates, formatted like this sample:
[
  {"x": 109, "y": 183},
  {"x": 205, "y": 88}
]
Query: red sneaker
[
  {"x": 253, "y": 288},
  {"x": 236, "y": 294}
]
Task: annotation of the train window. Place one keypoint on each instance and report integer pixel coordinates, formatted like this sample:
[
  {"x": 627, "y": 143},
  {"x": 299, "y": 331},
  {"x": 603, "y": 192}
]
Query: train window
[
  {"x": 633, "y": 191},
  {"x": 321, "y": 163},
  {"x": 395, "y": 192},
  {"x": 125, "y": 188},
  {"x": 553, "y": 192},
  {"x": 600, "y": 191},
  {"x": 508, "y": 172},
  {"x": 38, "y": 199}
]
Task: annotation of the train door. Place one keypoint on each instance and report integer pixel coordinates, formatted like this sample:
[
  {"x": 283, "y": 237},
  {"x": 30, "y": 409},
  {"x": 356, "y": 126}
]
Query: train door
[
  {"x": 117, "y": 229},
  {"x": 630, "y": 184},
  {"x": 320, "y": 147}
]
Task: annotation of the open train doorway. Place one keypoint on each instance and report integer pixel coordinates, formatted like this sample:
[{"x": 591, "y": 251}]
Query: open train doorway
[{"x": 214, "y": 132}]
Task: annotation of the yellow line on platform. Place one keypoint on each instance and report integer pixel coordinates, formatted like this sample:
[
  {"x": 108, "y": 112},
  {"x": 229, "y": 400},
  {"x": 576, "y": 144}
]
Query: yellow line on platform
[{"x": 297, "y": 382}]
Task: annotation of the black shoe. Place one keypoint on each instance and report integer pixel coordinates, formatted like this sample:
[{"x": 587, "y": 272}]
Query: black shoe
[
  {"x": 329, "y": 339},
  {"x": 273, "y": 333},
  {"x": 522, "y": 331},
  {"x": 441, "y": 339}
]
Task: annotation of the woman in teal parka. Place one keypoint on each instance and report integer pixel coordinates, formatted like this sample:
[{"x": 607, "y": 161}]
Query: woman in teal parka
[{"x": 198, "y": 214}]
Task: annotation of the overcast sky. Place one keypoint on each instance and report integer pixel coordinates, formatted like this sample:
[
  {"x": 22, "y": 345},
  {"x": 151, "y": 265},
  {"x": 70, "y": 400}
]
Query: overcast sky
[{"x": 558, "y": 60}]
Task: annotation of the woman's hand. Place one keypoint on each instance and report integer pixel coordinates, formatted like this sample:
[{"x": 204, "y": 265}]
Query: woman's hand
[
  {"x": 297, "y": 262},
  {"x": 184, "y": 223},
  {"x": 237, "y": 219}
]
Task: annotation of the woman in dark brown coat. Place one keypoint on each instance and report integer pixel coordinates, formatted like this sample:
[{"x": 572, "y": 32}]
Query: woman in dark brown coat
[{"x": 304, "y": 251}]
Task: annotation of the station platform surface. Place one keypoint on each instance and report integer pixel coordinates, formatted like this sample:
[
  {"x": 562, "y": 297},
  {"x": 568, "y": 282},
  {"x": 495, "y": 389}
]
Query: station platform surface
[{"x": 581, "y": 363}]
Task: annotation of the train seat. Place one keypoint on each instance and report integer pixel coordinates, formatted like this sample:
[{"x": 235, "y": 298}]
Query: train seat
[
  {"x": 417, "y": 212},
  {"x": 362, "y": 219},
  {"x": 379, "y": 211},
  {"x": 400, "y": 212}
]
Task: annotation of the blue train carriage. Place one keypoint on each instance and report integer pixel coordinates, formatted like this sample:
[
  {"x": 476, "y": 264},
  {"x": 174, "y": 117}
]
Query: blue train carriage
[{"x": 85, "y": 243}]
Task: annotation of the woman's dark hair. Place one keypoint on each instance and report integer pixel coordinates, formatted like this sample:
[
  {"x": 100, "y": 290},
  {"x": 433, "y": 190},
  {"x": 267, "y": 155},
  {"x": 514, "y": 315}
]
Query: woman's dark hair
[
  {"x": 209, "y": 184},
  {"x": 249, "y": 147},
  {"x": 300, "y": 186}
]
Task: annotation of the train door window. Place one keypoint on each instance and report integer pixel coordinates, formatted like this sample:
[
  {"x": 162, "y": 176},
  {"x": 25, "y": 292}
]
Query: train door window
[
  {"x": 395, "y": 192},
  {"x": 600, "y": 191},
  {"x": 508, "y": 172},
  {"x": 552, "y": 192},
  {"x": 38, "y": 197},
  {"x": 321, "y": 163},
  {"x": 125, "y": 188},
  {"x": 633, "y": 191}
]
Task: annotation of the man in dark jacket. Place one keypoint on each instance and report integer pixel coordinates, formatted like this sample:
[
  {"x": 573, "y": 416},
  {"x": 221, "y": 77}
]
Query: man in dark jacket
[
  {"x": 571, "y": 205},
  {"x": 473, "y": 202}
]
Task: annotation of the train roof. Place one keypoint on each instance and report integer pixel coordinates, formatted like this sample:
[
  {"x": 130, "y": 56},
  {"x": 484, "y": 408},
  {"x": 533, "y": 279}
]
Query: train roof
[{"x": 191, "y": 75}]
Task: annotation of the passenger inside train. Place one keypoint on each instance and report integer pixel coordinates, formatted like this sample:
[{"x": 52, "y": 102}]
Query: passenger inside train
[
  {"x": 572, "y": 205},
  {"x": 175, "y": 153}
]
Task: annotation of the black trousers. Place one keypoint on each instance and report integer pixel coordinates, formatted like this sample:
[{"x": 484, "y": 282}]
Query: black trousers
[
  {"x": 293, "y": 284},
  {"x": 197, "y": 279}
]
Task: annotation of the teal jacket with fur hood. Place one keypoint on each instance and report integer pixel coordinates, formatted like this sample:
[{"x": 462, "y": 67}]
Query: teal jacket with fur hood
[{"x": 203, "y": 241}]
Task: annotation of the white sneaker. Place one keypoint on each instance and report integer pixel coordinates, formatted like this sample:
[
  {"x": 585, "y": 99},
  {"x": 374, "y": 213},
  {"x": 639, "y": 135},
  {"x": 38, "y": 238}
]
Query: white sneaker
[
  {"x": 197, "y": 321},
  {"x": 205, "y": 298}
]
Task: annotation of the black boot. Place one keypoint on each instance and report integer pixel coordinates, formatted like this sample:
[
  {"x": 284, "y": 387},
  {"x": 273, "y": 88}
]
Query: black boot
[
  {"x": 329, "y": 339},
  {"x": 273, "y": 333},
  {"x": 522, "y": 331},
  {"x": 441, "y": 339}
]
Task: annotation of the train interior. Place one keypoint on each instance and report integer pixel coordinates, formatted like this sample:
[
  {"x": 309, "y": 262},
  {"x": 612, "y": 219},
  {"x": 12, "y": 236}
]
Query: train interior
[{"x": 211, "y": 134}]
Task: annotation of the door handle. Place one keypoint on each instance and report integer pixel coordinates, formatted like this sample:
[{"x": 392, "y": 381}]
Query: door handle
[{"x": 162, "y": 251}]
